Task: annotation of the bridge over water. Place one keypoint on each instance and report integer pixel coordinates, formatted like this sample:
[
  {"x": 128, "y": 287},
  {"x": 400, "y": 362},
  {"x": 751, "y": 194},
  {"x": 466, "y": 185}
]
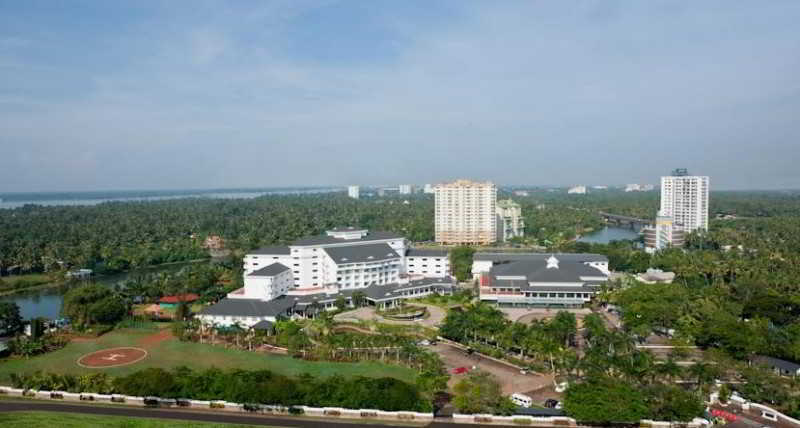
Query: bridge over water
[{"x": 623, "y": 220}]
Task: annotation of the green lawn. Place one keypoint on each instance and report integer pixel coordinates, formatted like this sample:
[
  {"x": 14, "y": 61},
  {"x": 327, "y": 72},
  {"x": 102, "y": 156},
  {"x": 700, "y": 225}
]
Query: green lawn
[
  {"x": 73, "y": 420},
  {"x": 171, "y": 353}
]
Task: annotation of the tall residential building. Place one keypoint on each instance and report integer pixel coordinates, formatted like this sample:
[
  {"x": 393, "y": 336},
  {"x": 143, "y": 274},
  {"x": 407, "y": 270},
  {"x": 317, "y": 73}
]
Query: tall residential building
[
  {"x": 406, "y": 189},
  {"x": 509, "y": 220},
  {"x": 465, "y": 212},
  {"x": 352, "y": 191},
  {"x": 428, "y": 188},
  {"x": 684, "y": 197}
]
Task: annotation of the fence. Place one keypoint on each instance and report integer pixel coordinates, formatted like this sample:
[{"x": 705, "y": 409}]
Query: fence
[{"x": 327, "y": 412}]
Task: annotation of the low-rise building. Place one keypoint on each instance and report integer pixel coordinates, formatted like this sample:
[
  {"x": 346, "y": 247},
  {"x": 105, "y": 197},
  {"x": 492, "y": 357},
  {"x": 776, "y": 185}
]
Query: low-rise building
[
  {"x": 779, "y": 366},
  {"x": 539, "y": 279},
  {"x": 665, "y": 233},
  {"x": 652, "y": 276},
  {"x": 249, "y": 312},
  {"x": 427, "y": 263},
  {"x": 577, "y": 190}
]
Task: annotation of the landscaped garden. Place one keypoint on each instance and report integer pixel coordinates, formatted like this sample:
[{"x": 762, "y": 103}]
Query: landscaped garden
[{"x": 166, "y": 352}]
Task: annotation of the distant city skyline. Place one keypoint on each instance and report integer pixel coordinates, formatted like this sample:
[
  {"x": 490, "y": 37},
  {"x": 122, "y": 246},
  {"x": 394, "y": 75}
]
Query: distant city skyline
[{"x": 98, "y": 95}]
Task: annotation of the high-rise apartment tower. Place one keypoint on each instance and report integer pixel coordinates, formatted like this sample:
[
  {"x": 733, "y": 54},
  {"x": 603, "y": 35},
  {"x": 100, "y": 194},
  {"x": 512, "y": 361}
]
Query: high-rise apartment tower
[
  {"x": 465, "y": 212},
  {"x": 684, "y": 198}
]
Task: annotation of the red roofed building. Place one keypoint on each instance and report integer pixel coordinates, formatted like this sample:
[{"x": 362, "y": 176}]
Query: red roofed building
[{"x": 172, "y": 301}]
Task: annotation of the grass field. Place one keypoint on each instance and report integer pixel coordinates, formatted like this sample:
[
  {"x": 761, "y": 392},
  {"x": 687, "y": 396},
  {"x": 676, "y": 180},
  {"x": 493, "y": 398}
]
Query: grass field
[
  {"x": 71, "y": 420},
  {"x": 169, "y": 352}
]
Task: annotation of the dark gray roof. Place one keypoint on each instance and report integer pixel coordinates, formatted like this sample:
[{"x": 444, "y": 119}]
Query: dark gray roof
[
  {"x": 361, "y": 253},
  {"x": 278, "y": 250},
  {"x": 325, "y": 239},
  {"x": 565, "y": 257},
  {"x": 249, "y": 307},
  {"x": 414, "y": 252},
  {"x": 346, "y": 229},
  {"x": 537, "y": 271},
  {"x": 778, "y": 363},
  {"x": 270, "y": 270}
]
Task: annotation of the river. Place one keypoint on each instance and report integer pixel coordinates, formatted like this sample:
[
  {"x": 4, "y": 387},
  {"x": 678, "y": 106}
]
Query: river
[
  {"x": 608, "y": 234},
  {"x": 46, "y": 302},
  {"x": 16, "y": 200}
]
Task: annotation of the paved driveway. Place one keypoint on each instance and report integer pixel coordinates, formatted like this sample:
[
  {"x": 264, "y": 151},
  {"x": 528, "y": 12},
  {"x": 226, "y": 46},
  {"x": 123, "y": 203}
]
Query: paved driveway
[
  {"x": 367, "y": 313},
  {"x": 510, "y": 378}
]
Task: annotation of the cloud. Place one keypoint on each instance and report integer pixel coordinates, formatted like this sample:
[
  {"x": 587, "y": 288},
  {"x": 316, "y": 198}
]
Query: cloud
[{"x": 517, "y": 92}]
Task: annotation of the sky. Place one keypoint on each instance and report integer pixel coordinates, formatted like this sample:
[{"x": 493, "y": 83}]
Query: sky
[{"x": 98, "y": 95}]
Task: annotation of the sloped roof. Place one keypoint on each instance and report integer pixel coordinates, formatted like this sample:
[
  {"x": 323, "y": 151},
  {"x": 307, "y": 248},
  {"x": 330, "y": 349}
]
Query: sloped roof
[
  {"x": 361, "y": 253},
  {"x": 249, "y": 307},
  {"x": 270, "y": 270},
  {"x": 416, "y": 252},
  {"x": 564, "y": 257},
  {"x": 777, "y": 362},
  {"x": 280, "y": 250},
  {"x": 326, "y": 239},
  {"x": 190, "y": 297}
]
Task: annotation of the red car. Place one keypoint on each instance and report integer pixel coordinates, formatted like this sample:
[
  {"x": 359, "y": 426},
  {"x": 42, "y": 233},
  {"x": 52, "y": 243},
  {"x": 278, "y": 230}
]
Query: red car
[{"x": 460, "y": 370}]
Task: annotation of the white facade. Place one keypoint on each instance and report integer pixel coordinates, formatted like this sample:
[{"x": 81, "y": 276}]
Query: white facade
[
  {"x": 353, "y": 192},
  {"x": 428, "y": 188},
  {"x": 664, "y": 234},
  {"x": 428, "y": 265},
  {"x": 685, "y": 199},
  {"x": 313, "y": 267},
  {"x": 510, "y": 223},
  {"x": 465, "y": 212},
  {"x": 265, "y": 286},
  {"x": 578, "y": 190},
  {"x": 406, "y": 189}
]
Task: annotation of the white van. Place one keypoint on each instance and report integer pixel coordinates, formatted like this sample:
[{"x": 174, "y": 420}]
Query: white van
[{"x": 521, "y": 400}]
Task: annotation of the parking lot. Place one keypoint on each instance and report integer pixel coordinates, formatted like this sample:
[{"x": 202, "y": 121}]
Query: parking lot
[{"x": 509, "y": 377}]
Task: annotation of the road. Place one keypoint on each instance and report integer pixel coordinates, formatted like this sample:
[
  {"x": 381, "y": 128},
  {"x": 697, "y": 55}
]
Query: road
[{"x": 208, "y": 416}]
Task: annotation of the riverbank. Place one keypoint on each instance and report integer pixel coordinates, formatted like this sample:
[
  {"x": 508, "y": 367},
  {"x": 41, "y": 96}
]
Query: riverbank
[{"x": 53, "y": 284}]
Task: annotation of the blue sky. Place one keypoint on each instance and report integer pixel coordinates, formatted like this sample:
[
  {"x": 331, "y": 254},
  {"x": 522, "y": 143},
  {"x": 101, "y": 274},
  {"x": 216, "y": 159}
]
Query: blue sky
[{"x": 186, "y": 94}]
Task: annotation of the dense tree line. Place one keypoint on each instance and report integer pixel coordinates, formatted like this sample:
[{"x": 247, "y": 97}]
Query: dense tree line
[
  {"x": 241, "y": 386},
  {"x": 117, "y": 236}
]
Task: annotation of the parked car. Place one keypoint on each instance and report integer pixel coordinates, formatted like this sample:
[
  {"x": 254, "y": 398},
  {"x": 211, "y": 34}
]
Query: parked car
[
  {"x": 460, "y": 370},
  {"x": 424, "y": 343},
  {"x": 551, "y": 403}
]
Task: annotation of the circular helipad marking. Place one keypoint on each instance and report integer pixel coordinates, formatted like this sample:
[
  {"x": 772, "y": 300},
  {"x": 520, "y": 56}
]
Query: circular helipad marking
[{"x": 112, "y": 357}]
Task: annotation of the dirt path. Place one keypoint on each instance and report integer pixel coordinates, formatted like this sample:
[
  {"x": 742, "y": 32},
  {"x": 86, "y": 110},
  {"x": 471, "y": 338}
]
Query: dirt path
[
  {"x": 154, "y": 339},
  {"x": 511, "y": 380}
]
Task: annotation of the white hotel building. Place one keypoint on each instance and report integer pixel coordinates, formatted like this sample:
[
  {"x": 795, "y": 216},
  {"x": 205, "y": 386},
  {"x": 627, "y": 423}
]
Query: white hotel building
[{"x": 286, "y": 280}]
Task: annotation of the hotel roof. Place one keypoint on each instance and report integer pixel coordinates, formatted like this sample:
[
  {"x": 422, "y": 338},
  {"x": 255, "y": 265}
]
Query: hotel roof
[
  {"x": 361, "y": 253},
  {"x": 418, "y": 252},
  {"x": 563, "y": 257},
  {"x": 326, "y": 239},
  {"x": 275, "y": 250},
  {"x": 270, "y": 270}
]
